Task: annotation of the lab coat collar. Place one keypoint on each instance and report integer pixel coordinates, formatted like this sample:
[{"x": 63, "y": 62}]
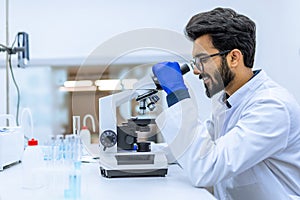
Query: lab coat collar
[
  {"x": 258, "y": 78},
  {"x": 225, "y": 96}
]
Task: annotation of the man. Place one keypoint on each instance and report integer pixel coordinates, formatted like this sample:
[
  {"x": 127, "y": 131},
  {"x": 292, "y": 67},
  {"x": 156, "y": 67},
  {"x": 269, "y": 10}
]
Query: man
[{"x": 251, "y": 149}]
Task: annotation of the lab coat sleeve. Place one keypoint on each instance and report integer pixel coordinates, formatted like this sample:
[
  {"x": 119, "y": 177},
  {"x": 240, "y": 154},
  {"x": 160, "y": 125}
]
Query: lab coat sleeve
[{"x": 262, "y": 130}]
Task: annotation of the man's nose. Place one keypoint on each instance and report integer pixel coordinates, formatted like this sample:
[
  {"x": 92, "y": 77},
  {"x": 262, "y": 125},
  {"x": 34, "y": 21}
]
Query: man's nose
[{"x": 196, "y": 71}]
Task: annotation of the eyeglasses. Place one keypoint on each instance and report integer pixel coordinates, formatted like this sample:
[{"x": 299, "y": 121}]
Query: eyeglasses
[{"x": 199, "y": 62}]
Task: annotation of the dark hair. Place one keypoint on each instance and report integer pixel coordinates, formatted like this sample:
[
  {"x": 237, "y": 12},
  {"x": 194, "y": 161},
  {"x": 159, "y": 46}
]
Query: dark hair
[{"x": 228, "y": 30}]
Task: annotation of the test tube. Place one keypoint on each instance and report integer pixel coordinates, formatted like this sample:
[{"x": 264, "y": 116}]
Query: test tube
[{"x": 76, "y": 125}]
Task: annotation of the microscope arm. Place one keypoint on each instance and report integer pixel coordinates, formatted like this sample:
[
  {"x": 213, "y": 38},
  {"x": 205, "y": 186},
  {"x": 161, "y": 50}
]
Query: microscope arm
[{"x": 107, "y": 113}]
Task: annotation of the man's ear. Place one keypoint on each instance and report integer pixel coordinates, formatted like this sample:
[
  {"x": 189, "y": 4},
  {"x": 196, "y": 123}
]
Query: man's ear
[{"x": 234, "y": 58}]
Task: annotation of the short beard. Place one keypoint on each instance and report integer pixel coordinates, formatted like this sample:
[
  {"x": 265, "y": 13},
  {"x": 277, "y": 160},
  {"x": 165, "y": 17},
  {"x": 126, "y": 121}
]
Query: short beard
[{"x": 225, "y": 74}]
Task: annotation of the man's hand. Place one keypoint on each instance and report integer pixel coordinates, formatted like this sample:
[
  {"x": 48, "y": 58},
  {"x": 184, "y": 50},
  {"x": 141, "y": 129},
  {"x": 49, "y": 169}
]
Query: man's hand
[{"x": 169, "y": 76}]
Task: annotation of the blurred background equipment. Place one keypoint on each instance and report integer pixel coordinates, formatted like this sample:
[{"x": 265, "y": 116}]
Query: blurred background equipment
[
  {"x": 22, "y": 50},
  {"x": 11, "y": 141}
]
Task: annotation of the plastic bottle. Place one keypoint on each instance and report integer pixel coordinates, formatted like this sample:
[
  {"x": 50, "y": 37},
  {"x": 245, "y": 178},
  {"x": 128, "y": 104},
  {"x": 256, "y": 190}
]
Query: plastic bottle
[
  {"x": 33, "y": 163},
  {"x": 85, "y": 136}
]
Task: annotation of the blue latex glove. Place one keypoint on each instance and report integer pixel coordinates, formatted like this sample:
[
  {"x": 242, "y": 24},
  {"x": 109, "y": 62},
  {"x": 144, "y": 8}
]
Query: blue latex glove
[{"x": 169, "y": 76}]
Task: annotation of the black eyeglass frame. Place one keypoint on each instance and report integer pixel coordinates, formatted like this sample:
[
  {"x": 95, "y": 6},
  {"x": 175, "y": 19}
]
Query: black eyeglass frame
[{"x": 198, "y": 61}]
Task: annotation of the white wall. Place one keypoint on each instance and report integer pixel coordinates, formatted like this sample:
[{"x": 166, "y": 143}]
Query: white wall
[{"x": 74, "y": 28}]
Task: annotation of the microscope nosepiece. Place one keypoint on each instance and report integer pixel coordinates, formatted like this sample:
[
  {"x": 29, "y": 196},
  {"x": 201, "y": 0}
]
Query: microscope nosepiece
[
  {"x": 151, "y": 106},
  {"x": 151, "y": 101}
]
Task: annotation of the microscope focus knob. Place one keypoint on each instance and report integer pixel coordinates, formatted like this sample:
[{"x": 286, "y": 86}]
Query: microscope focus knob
[{"x": 108, "y": 139}]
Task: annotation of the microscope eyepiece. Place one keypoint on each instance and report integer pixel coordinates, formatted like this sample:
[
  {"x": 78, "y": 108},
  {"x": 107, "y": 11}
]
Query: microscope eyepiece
[
  {"x": 183, "y": 68},
  {"x": 149, "y": 99}
]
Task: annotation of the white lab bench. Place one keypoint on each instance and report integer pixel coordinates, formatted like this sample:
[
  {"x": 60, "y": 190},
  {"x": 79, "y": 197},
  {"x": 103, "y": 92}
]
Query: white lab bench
[{"x": 93, "y": 186}]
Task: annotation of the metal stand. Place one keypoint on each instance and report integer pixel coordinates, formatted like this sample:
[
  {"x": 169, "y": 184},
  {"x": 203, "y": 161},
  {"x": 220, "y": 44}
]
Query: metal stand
[{"x": 7, "y": 55}]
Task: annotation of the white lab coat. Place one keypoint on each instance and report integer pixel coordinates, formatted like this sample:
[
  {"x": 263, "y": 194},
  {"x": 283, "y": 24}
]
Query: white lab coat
[{"x": 250, "y": 151}]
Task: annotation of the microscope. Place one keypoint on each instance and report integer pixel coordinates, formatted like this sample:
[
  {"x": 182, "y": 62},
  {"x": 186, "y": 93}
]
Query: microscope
[{"x": 123, "y": 151}]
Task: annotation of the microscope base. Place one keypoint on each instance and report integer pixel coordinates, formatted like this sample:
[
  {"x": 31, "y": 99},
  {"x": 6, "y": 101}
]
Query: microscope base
[
  {"x": 133, "y": 173},
  {"x": 133, "y": 164}
]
